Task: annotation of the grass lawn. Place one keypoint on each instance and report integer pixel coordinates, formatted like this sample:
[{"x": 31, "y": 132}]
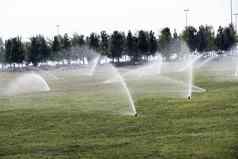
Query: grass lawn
[{"x": 83, "y": 118}]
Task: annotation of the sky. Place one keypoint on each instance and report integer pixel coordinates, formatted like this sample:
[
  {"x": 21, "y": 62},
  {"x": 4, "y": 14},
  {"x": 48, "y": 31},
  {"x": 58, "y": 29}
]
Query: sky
[{"x": 27, "y": 18}]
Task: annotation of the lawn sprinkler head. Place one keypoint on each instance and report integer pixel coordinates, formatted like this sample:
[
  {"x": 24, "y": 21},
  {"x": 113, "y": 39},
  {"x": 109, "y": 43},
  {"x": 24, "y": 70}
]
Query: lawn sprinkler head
[
  {"x": 189, "y": 97},
  {"x": 136, "y": 115}
]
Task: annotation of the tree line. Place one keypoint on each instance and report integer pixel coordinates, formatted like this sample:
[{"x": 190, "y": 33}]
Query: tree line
[{"x": 137, "y": 46}]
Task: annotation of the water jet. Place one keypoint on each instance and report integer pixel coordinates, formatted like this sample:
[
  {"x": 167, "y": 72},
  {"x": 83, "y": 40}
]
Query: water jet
[{"x": 27, "y": 83}]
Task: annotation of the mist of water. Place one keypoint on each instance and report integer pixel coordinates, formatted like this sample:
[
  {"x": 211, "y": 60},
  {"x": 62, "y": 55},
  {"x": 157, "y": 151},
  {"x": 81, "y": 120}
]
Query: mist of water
[
  {"x": 190, "y": 78},
  {"x": 95, "y": 62},
  {"x": 27, "y": 83},
  {"x": 191, "y": 60},
  {"x": 206, "y": 61},
  {"x": 120, "y": 79},
  {"x": 138, "y": 72},
  {"x": 132, "y": 108},
  {"x": 49, "y": 74}
]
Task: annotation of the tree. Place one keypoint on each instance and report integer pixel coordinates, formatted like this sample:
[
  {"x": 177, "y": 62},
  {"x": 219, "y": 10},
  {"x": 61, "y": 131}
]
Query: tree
[
  {"x": 175, "y": 35},
  {"x": 229, "y": 37},
  {"x": 56, "y": 48},
  {"x": 104, "y": 44},
  {"x": 9, "y": 48},
  {"x": 219, "y": 41},
  {"x": 66, "y": 42},
  {"x": 27, "y": 48},
  {"x": 93, "y": 41},
  {"x": 175, "y": 44},
  {"x": 153, "y": 45},
  {"x": 2, "y": 51},
  {"x": 39, "y": 50},
  {"x": 131, "y": 47},
  {"x": 129, "y": 44},
  {"x": 14, "y": 51},
  {"x": 211, "y": 38},
  {"x": 67, "y": 54},
  {"x": 45, "y": 49},
  {"x": 165, "y": 41},
  {"x": 143, "y": 43},
  {"x": 189, "y": 35},
  {"x": 117, "y": 45},
  {"x": 226, "y": 38},
  {"x": 77, "y": 40},
  {"x": 205, "y": 39}
]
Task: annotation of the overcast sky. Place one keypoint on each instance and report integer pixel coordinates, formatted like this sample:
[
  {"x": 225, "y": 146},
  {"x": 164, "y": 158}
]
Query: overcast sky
[{"x": 30, "y": 17}]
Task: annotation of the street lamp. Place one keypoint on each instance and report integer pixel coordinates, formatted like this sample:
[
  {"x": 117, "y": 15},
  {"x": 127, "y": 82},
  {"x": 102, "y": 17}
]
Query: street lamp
[
  {"x": 186, "y": 15},
  {"x": 231, "y": 12}
]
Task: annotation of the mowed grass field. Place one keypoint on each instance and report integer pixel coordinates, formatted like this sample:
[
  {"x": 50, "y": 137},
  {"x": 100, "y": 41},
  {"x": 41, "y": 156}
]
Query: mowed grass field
[{"x": 81, "y": 117}]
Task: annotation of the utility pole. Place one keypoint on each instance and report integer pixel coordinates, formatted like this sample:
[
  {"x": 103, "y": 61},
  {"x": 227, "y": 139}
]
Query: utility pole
[{"x": 186, "y": 16}]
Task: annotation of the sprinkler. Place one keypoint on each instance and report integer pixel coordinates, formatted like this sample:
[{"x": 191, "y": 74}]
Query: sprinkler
[
  {"x": 189, "y": 97},
  {"x": 136, "y": 115}
]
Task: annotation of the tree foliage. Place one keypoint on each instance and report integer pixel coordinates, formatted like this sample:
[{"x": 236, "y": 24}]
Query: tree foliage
[
  {"x": 104, "y": 44},
  {"x": 226, "y": 38},
  {"x": 165, "y": 39},
  {"x": 39, "y": 50},
  {"x": 15, "y": 52},
  {"x": 116, "y": 45},
  {"x": 2, "y": 51},
  {"x": 189, "y": 35}
]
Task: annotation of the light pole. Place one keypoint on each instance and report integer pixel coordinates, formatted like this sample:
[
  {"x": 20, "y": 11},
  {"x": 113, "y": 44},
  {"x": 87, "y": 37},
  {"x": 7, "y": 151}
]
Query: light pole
[
  {"x": 186, "y": 16},
  {"x": 58, "y": 29},
  {"x": 231, "y": 12},
  {"x": 236, "y": 14}
]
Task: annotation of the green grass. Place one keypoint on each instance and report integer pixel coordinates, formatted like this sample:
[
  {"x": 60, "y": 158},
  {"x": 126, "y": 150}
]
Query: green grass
[{"x": 82, "y": 118}]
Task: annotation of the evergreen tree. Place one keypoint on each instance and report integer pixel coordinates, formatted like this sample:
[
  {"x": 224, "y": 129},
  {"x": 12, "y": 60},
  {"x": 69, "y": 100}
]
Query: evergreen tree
[
  {"x": 104, "y": 44},
  {"x": 67, "y": 54},
  {"x": 219, "y": 41},
  {"x": 8, "y": 53},
  {"x": 56, "y": 49},
  {"x": 153, "y": 45},
  {"x": 202, "y": 39},
  {"x": 93, "y": 41},
  {"x": 2, "y": 51},
  {"x": 66, "y": 42},
  {"x": 229, "y": 37},
  {"x": 226, "y": 38},
  {"x": 14, "y": 51},
  {"x": 27, "y": 48},
  {"x": 175, "y": 35},
  {"x": 165, "y": 42},
  {"x": 39, "y": 50},
  {"x": 117, "y": 45},
  {"x": 77, "y": 40},
  {"x": 143, "y": 43},
  {"x": 189, "y": 35},
  {"x": 175, "y": 46},
  {"x": 131, "y": 47},
  {"x": 129, "y": 44},
  {"x": 205, "y": 39},
  {"x": 211, "y": 38}
]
